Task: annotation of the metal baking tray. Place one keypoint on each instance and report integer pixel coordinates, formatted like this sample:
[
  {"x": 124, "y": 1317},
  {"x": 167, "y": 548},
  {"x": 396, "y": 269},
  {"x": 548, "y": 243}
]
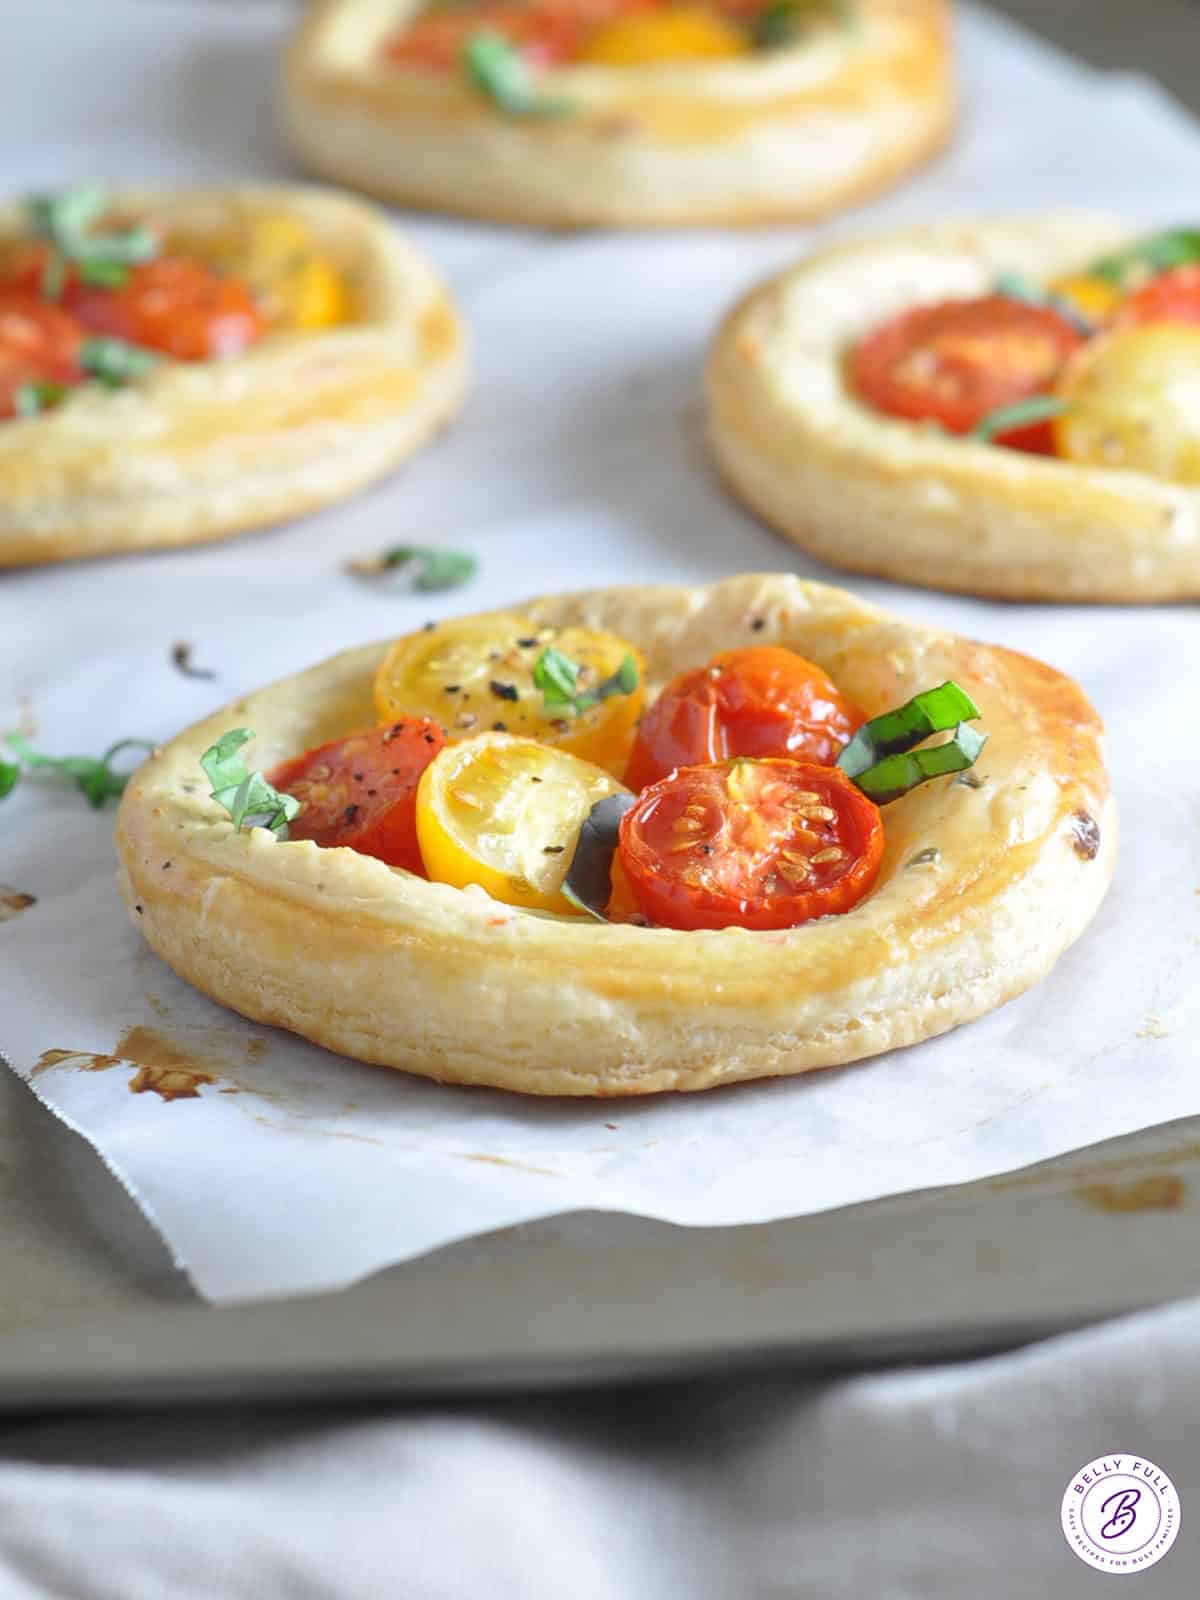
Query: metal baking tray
[{"x": 93, "y": 1313}]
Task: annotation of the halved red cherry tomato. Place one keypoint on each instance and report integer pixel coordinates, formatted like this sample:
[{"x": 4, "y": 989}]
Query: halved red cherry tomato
[
  {"x": 437, "y": 36},
  {"x": 176, "y": 305},
  {"x": 955, "y": 362},
  {"x": 761, "y": 700},
  {"x": 1171, "y": 297},
  {"x": 750, "y": 844},
  {"x": 362, "y": 791},
  {"x": 39, "y": 343}
]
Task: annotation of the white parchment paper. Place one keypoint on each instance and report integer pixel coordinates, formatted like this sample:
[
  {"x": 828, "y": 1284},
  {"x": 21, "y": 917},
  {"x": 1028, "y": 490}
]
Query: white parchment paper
[{"x": 579, "y": 460}]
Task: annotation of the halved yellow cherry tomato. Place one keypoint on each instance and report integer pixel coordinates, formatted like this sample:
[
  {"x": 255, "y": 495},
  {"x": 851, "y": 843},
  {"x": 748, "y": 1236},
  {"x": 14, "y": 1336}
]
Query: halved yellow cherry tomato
[
  {"x": 1133, "y": 401},
  {"x": 505, "y": 813},
  {"x": 1095, "y": 299},
  {"x": 475, "y": 675},
  {"x": 680, "y": 33},
  {"x": 296, "y": 285}
]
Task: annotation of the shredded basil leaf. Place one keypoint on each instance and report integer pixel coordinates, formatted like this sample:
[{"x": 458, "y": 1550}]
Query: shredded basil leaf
[
  {"x": 782, "y": 23},
  {"x": 556, "y": 675},
  {"x": 433, "y": 569},
  {"x": 498, "y": 70},
  {"x": 95, "y": 779},
  {"x": 1176, "y": 247},
  {"x": 1038, "y": 408},
  {"x": 10, "y": 774},
  {"x": 114, "y": 362},
  {"x": 588, "y": 883},
  {"x": 932, "y": 711},
  {"x": 896, "y": 775},
  {"x": 103, "y": 259},
  {"x": 31, "y": 399},
  {"x": 250, "y": 800}
]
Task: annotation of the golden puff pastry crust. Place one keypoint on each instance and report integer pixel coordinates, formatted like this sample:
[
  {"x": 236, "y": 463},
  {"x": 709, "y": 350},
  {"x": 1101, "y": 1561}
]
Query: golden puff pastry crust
[
  {"x": 452, "y": 985},
  {"x": 862, "y": 491},
  {"x": 200, "y": 450},
  {"x": 794, "y": 133}
]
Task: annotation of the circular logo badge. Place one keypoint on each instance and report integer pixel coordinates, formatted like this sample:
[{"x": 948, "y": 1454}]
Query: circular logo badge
[{"x": 1120, "y": 1513}]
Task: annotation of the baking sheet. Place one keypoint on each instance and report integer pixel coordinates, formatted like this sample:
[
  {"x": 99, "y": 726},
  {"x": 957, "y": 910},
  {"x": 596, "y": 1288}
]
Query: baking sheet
[
  {"x": 579, "y": 457},
  {"x": 91, "y": 1312}
]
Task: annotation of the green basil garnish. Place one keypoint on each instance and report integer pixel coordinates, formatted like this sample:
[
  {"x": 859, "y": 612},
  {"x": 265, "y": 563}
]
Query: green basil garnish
[
  {"x": 1176, "y": 247},
  {"x": 31, "y": 399},
  {"x": 783, "y": 22},
  {"x": 896, "y": 775},
  {"x": 102, "y": 259},
  {"x": 499, "y": 71},
  {"x": 1021, "y": 414},
  {"x": 588, "y": 883},
  {"x": 433, "y": 569},
  {"x": 250, "y": 800},
  {"x": 96, "y": 779},
  {"x": 556, "y": 675},
  {"x": 933, "y": 711},
  {"x": 10, "y": 773},
  {"x": 114, "y": 362}
]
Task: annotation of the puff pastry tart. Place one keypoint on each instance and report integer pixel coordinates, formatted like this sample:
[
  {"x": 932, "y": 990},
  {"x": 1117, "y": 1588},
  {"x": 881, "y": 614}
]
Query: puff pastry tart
[
  {"x": 1002, "y": 408},
  {"x": 632, "y": 840},
  {"x": 635, "y": 113},
  {"x": 178, "y": 366}
]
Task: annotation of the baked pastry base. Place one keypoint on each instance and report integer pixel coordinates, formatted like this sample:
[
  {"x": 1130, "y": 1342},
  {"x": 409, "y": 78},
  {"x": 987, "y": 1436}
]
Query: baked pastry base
[
  {"x": 793, "y": 135},
  {"x": 450, "y": 984},
  {"x": 200, "y": 450},
  {"x": 900, "y": 500}
]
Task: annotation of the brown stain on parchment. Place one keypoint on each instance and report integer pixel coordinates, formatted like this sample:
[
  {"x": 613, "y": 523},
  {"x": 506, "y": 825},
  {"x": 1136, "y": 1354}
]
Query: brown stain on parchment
[
  {"x": 1164, "y": 1191},
  {"x": 166, "y": 1066},
  {"x": 517, "y": 1166},
  {"x": 87, "y": 1061},
  {"x": 14, "y": 901}
]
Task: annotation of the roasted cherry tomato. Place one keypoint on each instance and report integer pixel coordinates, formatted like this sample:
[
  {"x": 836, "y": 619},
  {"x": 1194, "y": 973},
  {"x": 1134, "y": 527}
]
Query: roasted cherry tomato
[
  {"x": 475, "y": 674},
  {"x": 1171, "y": 297},
  {"x": 39, "y": 343},
  {"x": 436, "y": 37},
  {"x": 281, "y": 261},
  {"x": 1131, "y": 401},
  {"x": 955, "y": 362},
  {"x": 505, "y": 813},
  {"x": 1095, "y": 299},
  {"x": 176, "y": 305},
  {"x": 675, "y": 33},
  {"x": 758, "y": 701},
  {"x": 361, "y": 791},
  {"x": 750, "y": 844}
]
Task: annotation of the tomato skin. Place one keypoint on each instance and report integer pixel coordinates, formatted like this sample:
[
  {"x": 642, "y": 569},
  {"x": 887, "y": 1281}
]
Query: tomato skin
[
  {"x": 761, "y": 700},
  {"x": 361, "y": 791},
  {"x": 750, "y": 844},
  {"x": 1173, "y": 296},
  {"x": 174, "y": 304},
  {"x": 954, "y": 362},
  {"x": 39, "y": 343}
]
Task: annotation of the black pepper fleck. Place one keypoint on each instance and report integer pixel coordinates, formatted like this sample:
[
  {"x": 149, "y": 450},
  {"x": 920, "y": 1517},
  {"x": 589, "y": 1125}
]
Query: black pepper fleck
[
  {"x": 526, "y": 644},
  {"x": 757, "y": 624},
  {"x": 499, "y": 727},
  {"x": 503, "y": 691},
  {"x": 553, "y": 849},
  {"x": 350, "y": 813},
  {"x": 453, "y": 688}
]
